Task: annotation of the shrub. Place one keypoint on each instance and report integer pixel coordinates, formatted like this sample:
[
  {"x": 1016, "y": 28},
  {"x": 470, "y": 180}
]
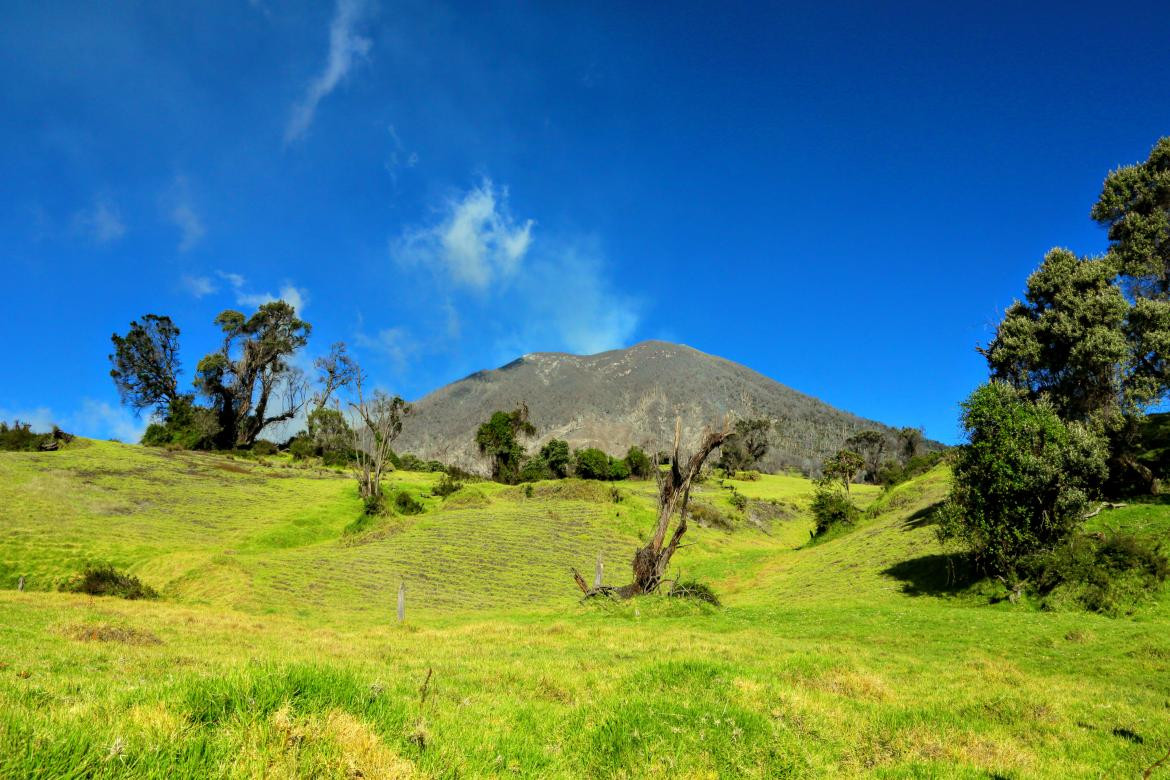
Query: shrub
[
  {"x": 301, "y": 447},
  {"x": 185, "y": 426},
  {"x": 695, "y": 590},
  {"x": 264, "y": 447},
  {"x": 556, "y": 456},
  {"x": 535, "y": 470},
  {"x": 1107, "y": 573},
  {"x": 748, "y": 476},
  {"x": 1022, "y": 483},
  {"x": 833, "y": 509},
  {"x": 446, "y": 486},
  {"x": 618, "y": 470},
  {"x": 738, "y": 500},
  {"x": 591, "y": 463},
  {"x": 19, "y": 437},
  {"x": 407, "y": 504},
  {"x": 708, "y": 516},
  {"x": 374, "y": 505},
  {"x": 638, "y": 463},
  {"x": 105, "y": 580}
]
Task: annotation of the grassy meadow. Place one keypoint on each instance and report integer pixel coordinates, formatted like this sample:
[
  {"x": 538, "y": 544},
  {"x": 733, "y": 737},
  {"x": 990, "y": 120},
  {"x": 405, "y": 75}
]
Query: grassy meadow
[{"x": 274, "y": 651}]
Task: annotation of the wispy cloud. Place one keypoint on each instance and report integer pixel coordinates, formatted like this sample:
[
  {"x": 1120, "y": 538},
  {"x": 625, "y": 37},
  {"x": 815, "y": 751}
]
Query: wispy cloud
[
  {"x": 180, "y": 211},
  {"x": 477, "y": 242},
  {"x": 345, "y": 46},
  {"x": 198, "y": 286},
  {"x": 101, "y": 222},
  {"x": 395, "y": 345},
  {"x": 546, "y": 292},
  {"x": 297, "y": 297}
]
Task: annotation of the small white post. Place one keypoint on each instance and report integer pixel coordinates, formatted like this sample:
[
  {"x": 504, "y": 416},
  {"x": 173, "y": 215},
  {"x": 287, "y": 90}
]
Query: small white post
[
  {"x": 20, "y": 585},
  {"x": 597, "y": 572},
  {"x": 401, "y": 602}
]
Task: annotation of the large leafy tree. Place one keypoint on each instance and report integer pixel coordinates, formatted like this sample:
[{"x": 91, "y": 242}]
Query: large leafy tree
[
  {"x": 250, "y": 373},
  {"x": 499, "y": 439},
  {"x": 146, "y": 364},
  {"x": 870, "y": 445},
  {"x": 1135, "y": 206},
  {"x": 1022, "y": 483},
  {"x": 842, "y": 467},
  {"x": 1069, "y": 340}
]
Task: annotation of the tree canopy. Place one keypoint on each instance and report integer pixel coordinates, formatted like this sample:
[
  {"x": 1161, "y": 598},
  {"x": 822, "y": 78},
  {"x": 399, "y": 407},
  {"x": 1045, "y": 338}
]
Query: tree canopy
[{"x": 499, "y": 439}]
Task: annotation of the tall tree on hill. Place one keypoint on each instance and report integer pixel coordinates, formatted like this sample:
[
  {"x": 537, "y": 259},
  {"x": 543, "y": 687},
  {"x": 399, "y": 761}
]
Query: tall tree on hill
[
  {"x": 909, "y": 442},
  {"x": 844, "y": 467},
  {"x": 379, "y": 421},
  {"x": 335, "y": 372},
  {"x": 146, "y": 364},
  {"x": 499, "y": 439},
  {"x": 746, "y": 446},
  {"x": 250, "y": 371},
  {"x": 1135, "y": 206}
]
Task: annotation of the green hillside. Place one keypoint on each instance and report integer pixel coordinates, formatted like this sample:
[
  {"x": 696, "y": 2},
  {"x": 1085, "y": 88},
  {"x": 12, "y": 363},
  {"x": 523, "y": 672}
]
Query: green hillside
[{"x": 274, "y": 653}]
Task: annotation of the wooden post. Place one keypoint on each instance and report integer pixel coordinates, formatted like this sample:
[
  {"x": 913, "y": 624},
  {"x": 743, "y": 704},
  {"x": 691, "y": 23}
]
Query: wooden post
[
  {"x": 401, "y": 602},
  {"x": 597, "y": 572},
  {"x": 20, "y": 585}
]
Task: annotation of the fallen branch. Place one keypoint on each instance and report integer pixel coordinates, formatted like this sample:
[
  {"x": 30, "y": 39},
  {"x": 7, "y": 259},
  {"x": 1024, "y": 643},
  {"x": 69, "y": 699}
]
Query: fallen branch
[
  {"x": 1157, "y": 764},
  {"x": 1101, "y": 506}
]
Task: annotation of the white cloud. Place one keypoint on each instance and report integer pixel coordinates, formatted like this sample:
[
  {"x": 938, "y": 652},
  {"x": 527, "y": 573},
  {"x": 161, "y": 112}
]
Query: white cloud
[
  {"x": 345, "y": 46},
  {"x": 98, "y": 419},
  {"x": 41, "y": 418},
  {"x": 94, "y": 420},
  {"x": 477, "y": 242},
  {"x": 198, "y": 286},
  {"x": 101, "y": 222},
  {"x": 297, "y": 297}
]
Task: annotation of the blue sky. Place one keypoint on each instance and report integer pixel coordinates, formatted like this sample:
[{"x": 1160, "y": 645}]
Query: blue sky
[{"x": 843, "y": 196}]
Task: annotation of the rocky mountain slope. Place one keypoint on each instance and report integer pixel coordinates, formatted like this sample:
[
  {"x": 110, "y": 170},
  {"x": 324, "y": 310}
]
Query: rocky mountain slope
[{"x": 614, "y": 399}]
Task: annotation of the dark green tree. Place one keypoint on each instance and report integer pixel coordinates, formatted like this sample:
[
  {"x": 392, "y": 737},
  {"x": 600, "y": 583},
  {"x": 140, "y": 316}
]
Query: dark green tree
[
  {"x": 146, "y": 364},
  {"x": 1022, "y": 482},
  {"x": 1135, "y": 207},
  {"x": 499, "y": 439},
  {"x": 591, "y": 463},
  {"x": 1068, "y": 341},
  {"x": 909, "y": 443},
  {"x": 746, "y": 446},
  {"x": 638, "y": 463},
  {"x": 250, "y": 371},
  {"x": 556, "y": 457}
]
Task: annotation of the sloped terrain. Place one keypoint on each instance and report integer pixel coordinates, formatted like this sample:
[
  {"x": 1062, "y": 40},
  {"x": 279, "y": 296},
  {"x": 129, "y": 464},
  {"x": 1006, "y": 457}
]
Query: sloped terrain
[
  {"x": 615, "y": 399},
  {"x": 274, "y": 651}
]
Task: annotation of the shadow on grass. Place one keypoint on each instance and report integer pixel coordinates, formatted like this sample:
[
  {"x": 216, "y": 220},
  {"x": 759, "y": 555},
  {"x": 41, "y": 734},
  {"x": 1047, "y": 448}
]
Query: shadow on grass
[
  {"x": 940, "y": 574},
  {"x": 922, "y": 518}
]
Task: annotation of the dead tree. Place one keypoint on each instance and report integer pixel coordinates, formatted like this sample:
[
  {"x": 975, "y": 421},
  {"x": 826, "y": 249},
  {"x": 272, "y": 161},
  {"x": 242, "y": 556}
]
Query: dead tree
[
  {"x": 674, "y": 493},
  {"x": 379, "y": 421}
]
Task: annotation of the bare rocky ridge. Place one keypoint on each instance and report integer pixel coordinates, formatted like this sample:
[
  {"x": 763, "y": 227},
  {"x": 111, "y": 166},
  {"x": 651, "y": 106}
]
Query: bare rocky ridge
[{"x": 614, "y": 399}]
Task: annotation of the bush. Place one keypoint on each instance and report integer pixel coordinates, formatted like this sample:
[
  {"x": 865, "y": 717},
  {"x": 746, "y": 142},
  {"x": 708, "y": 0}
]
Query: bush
[
  {"x": 618, "y": 470},
  {"x": 1107, "y": 573},
  {"x": 695, "y": 590},
  {"x": 446, "y": 486},
  {"x": 591, "y": 463},
  {"x": 894, "y": 473},
  {"x": 1023, "y": 482},
  {"x": 738, "y": 500},
  {"x": 19, "y": 437},
  {"x": 638, "y": 463},
  {"x": 555, "y": 455},
  {"x": 833, "y": 509},
  {"x": 264, "y": 447},
  {"x": 105, "y": 580},
  {"x": 535, "y": 470},
  {"x": 301, "y": 447},
  {"x": 185, "y": 426},
  {"x": 708, "y": 516},
  {"x": 407, "y": 504}
]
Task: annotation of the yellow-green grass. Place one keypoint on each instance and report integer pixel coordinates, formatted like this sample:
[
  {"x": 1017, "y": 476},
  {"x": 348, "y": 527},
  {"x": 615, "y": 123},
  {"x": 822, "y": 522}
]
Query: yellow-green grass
[{"x": 274, "y": 652}]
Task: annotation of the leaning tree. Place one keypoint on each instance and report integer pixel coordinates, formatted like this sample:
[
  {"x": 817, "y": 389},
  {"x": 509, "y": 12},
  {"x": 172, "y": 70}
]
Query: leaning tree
[{"x": 674, "y": 494}]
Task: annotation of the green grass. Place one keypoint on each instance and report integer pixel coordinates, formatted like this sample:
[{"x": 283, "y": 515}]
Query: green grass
[{"x": 274, "y": 653}]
